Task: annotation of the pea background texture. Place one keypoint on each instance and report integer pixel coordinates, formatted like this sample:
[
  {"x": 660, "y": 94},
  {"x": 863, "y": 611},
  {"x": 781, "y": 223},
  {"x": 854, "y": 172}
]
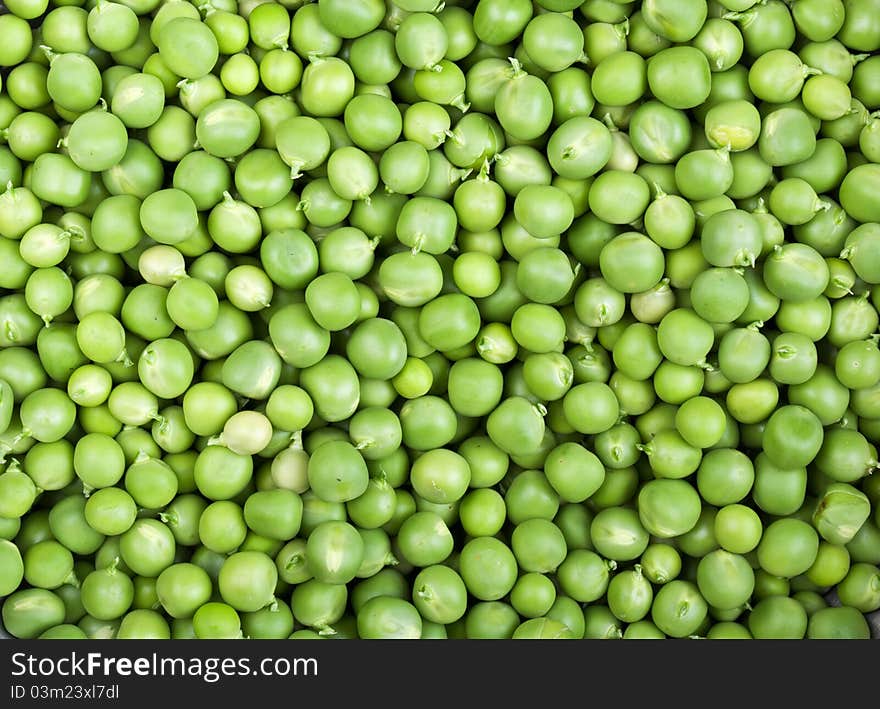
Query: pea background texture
[{"x": 401, "y": 319}]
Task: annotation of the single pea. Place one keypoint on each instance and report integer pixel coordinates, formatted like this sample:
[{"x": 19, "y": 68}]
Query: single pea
[
  {"x": 788, "y": 547},
  {"x": 440, "y": 476},
  {"x": 679, "y": 608},
  {"x": 845, "y": 455},
  {"x": 387, "y": 617},
  {"x": 439, "y": 594},
  {"x": 737, "y": 528},
  {"x": 793, "y": 436},
  {"x": 701, "y": 422},
  {"x": 679, "y": 77},
  {"x": 786, "y": 137},
  {"x": 618, "y": 534},
  {"x": 337, "y": 471},
  {"x": 778, "y": 617},
  {"x": 859, "y": 588},
  {"x": 619, "y": 197},
  {"x": 27, "y": 613},
  {"x": 668, "y": 507}
]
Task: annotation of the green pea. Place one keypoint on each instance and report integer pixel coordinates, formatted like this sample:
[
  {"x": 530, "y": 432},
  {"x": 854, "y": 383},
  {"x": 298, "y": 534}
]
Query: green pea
[
  {"x": 311, "y": 342},
  {"x": 415, "y": 379},
  {"x": 737, "y": 528},
  {"x": 842, "y": 622},
  {"x": 336, "y": 401},
  {"x": 57, "y": 179},
  {"x": 334, "y": 552},
  {"x": 669, "y": 221},
  {"x": 424, "y": 539},
  {"x": 675, "y": 22},
  {"x": 778, "y": 490},
  {"x": 796, "y": 272},
  {"x": 523, "y": 89},
  {"x": 217, "y": 621},
  {"x": 679, "y": 77},
  {"x": 487, "y": 461},
  {"x": 659, "y": 133},
  {"x": 252, "y": 370},
  {"x": 427, "y": 123},
  {"x": 722, "y": 43},
  {"x": 532, "y": 596},
  {"x": 291, "y": 562},
  {"x": 48, "y": 564},
  {"x": 579, "y": 147},
  {"x": 439, "y": 594},
  {"x": 743, "y": 354},
  {"x": 29, "y": 135},
  {"x": 110, "y": 511},
  {"x": 859, "y": 588},
  {"x": 856, "y": 364},
  {"x": 636, "y": 352},
  {"x": 482, "y": 512},
  {"x": 374, "y": 509},
  {"x": 778, "y": 617},
  {"x": 619, "y": 197},
  {"x": 327, "y": 86},
  {"x": 377, "y": 348},
  {"x": 670, "y": 456},
  {"x": 530, "y": 496},
  {"x": 237, "y": 471},
  {"x": 786, "y": 137},
  {"x": 607, "y": 85},
  {"x": 138, "y": 174},
  {"x": 668, "y": 507},
  {"x": 839, "y": 514},
  {"x": 182, "y": 588},
  {"x": 207, "y": 406},
  {"x": 788, "y": 547},
  {"x": 857, "y": 251},
  {"x": 337, "y": 472},
  {"x": 631, "y": 263},
  {"x": 28, "y": 613},
  {"x": 725, "y": 580},
  {"x": 793, "y": 436},
  {"x": 449, "y": 321},
  {"x": 676, "y": 383},
  {"x": 97, "y": 141},
  {"x": 679, "y": 609},
  {"x": 692, "y": 338},
  {"x": 227, "y": 128},
  {"x": 247, "y": 580},
  {"x": 488, "y": 568},
  {"x": 440, "y": 476},
  {"x": 385, "y": 617},
  {"x": 476, "y": 274},
  {"x": 822, "y": 394},
  {"x": 556, "y": 40},
  {"x": 169, "y": 216},
  {"x": 845, "y": 455},
  {"x": 731, "y": 238}
]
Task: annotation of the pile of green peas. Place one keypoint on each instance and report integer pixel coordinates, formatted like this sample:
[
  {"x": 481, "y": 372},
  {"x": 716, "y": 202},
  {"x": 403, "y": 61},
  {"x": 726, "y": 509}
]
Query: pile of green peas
[{"x": 479, "y": 319}]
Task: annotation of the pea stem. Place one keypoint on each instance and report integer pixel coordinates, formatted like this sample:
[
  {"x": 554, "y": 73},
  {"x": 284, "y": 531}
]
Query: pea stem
[
  {"x": 71, "y": 580},
  {"x": 48, "y": 52},
  {"x": 460, "y": 103},
  {"x": 518, "y": 70}
]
